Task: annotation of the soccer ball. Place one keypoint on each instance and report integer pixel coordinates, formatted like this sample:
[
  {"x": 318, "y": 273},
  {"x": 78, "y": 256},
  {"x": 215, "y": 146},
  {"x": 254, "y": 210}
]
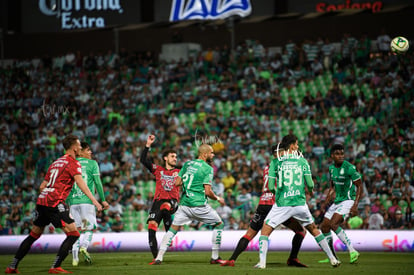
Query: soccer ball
[{"x": 399, "y": 45}]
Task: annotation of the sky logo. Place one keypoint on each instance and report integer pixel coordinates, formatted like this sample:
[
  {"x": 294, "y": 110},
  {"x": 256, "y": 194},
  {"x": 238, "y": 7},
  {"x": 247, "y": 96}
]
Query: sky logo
[
  {"x": 106, "y": 246},
  {"x": 208, "y": 9},
  {"x": 178, "y": 245},
  {"x": 39, "y": 247},
  {"x": 395, "y": 245}
]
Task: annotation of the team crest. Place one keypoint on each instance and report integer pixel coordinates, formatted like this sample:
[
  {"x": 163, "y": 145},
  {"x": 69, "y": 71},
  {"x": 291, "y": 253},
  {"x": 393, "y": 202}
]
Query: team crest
[
  {"x": 208, "y": 9},
  {"x": 342, "y": 171}
]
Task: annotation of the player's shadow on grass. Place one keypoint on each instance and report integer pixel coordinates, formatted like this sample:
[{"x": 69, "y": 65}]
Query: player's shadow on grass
[{"x": 275, "y": 264}]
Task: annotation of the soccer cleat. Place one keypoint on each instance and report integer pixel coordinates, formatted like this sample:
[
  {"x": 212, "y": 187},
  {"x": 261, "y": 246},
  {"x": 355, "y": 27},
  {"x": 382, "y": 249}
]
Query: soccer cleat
[
  {"x": 10, "y": 270},
  {"x": 324, "y": 261},
  {"x": 216, "y": 261},
  {"x": 295, "y": 262},
  {"x": 75, "y": 262},
  {"x": 58, "y": 270},
  {"x": 335, "y": 262},
  {"x": 155, "y": 262},
  {"x": 354, "y": 255},
  {"x": 86, "y": 255},
  {"x": 228, "y": 263},
  {"x": 259, "y": 266}
]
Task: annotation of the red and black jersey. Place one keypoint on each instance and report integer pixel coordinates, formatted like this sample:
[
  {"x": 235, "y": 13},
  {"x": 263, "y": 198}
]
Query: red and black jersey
[
  {"x": 267, "y": 197},
  {"x": 60, "y": 179},
  {"x": 164, "y": 179}
]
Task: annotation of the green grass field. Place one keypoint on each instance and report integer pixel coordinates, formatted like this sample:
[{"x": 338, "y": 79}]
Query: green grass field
[{"x": 198, "y": 263}]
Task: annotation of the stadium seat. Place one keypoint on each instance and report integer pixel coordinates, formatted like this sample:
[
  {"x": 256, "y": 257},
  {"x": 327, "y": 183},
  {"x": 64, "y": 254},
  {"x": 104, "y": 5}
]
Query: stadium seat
[
  {"x": 255, "y": 201},
  {"x": 213, "y": 204},
  {"x": 371, "y": 121},
  {"x": 403, "y": 204},
  {"x": 169, "y": 107},
  {"x": 190, "y": 119},
  {"x": 236, "y": 214},
  {"x": 395, "y": 102},
  {"x": 219, "y": 107},
  {"x": 344, "y": 112},
  {"x": 387, "y": 204},
  {"x": 399, "y": 160},
  {"x": 150, "y": 186},
  {"x": 129, "y": 227},
  {"x": 383, "y": 198},
  {"x": 182, "y": 117},
  {"x": 360, "y": 123}
]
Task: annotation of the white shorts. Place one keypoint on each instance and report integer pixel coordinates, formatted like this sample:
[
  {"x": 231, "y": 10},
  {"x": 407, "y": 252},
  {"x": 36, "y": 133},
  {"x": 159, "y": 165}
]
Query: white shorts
[
  {"x": 205, "y": 214},
  {"x": 84, "y": 216},
  {"x": 280, "y": 214},
  {"x": 341, "y": 208}
]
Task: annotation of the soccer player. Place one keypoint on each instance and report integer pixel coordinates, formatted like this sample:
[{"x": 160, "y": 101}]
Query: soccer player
[
  {"x": 267, "y": 199},
  {"x": 166, "y": 193},
  {"x": 81, "y": 207},
  {"x": 51, "y": 207},
  {"x": 346, "y": 186},
  {"x": 291, "y": 171},
  {"x": 196, "y": 177}
]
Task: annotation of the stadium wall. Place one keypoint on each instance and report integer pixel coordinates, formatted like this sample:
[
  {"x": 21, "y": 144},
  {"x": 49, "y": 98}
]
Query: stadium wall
[
  {"x": 270, "y": 33},
  {"x": 280, "y": 240}
]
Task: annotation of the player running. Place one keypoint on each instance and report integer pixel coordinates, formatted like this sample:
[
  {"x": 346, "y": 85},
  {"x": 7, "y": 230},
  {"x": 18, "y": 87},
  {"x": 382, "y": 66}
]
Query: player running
[
  {"x": 81, "y": 207},
  {"x": 51, "y": 207},
  {"x": 267, "y": 199},
  {"x": 291, "y": 172},
  {"x": 166, "y": 193},
  {"x": 346, "y": 186},
  {"x": 196, "y": 177}
]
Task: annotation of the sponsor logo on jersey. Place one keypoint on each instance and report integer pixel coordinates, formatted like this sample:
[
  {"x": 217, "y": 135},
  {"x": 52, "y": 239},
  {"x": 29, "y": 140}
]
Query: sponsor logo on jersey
[{"x": 167, "y": 181}]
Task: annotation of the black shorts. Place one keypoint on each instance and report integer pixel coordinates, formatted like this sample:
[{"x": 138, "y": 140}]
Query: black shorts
[
  {"x": 155, "y": 211},
  {"x": 58, "y": 215},
  {"x": 259, "y": 216}
]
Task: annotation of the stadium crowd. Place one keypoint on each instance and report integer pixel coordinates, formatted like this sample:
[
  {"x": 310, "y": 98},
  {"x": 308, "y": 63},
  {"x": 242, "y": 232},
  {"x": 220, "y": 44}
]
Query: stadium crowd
[{"x": 242, "y": 103}]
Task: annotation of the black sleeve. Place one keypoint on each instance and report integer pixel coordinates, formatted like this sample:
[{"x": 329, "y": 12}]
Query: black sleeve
[{"x": 145, "y": 160}]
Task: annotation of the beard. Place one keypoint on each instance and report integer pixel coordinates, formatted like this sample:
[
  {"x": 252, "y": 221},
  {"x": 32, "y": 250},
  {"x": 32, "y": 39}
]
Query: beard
[{"x": 209, "y": 161}]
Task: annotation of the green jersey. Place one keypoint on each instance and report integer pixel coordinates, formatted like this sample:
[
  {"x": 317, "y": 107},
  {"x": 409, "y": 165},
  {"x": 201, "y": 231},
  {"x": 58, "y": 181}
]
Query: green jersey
[
  {"x": 342, "y": 179},
  {"x": 291, "y": 174},
  {"x": 90, "y": 174},
  {"x": 195, "y": 174}
]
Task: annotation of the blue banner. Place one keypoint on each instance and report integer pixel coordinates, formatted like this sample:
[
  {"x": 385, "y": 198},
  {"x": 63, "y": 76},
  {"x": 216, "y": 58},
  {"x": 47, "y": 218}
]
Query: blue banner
[{"x": 208, "y": 9}]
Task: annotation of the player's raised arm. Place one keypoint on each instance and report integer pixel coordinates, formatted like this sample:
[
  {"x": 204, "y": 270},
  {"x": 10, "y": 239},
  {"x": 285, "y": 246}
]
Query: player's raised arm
[
  {"x": 82, "y": 185},
  {"x": 144, "y": 154}
]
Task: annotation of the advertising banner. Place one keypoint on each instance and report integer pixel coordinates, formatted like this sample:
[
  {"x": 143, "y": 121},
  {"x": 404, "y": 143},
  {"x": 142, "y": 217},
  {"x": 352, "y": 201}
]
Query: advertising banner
[
  {"x": 65, "y": 15},
  {"x": 208, "y": 9},
  {"x": 280, "y": 240}
]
